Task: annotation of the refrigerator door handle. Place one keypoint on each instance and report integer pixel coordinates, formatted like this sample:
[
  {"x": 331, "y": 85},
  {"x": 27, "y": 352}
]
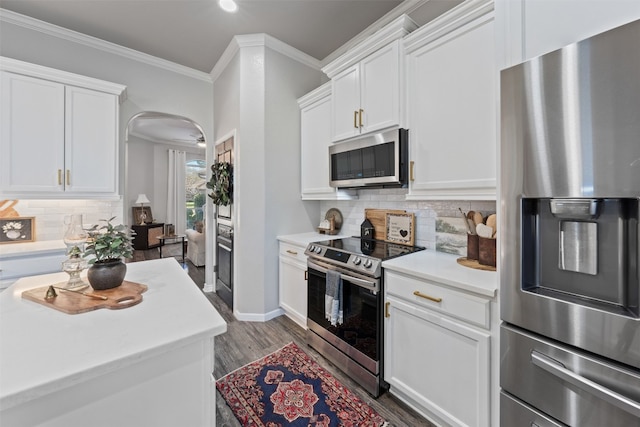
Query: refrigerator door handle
[{"x": 559, "y": 370}]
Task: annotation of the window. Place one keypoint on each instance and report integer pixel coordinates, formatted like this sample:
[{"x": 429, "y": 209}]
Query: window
[{"x": 196, "y": 191}]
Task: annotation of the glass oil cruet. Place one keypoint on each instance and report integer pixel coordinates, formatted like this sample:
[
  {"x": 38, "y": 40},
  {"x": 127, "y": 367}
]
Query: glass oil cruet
[
  {"x": 73, "y": 266},
  {"x": 74, "y": 237}
]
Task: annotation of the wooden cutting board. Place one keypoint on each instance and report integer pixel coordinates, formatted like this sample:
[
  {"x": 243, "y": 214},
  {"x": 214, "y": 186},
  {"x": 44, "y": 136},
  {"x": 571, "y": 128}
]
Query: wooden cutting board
[
  {"x": 126, "y": 295},
  {"x": 378, "y": 218}
]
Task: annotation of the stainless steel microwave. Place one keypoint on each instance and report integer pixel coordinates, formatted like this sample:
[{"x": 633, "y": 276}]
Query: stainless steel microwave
[{"x": 375, "y": 160}]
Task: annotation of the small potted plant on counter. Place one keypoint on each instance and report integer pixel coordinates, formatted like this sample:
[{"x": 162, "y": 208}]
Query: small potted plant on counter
[{"x": 106, "y": 248}]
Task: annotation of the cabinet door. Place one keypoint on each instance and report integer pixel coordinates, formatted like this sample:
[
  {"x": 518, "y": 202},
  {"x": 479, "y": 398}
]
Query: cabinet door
[
  {"x": 380, "y": 88},
  {"x": 547, "y": 26},
  {"x": 91, "y": 152},
  {"x": 32, "y": 135},
  {"x": 452, "y": 114},
  {"x": 345, "y": 90},
  {"x": 315, "y": 125},
  {"x": 439, "y": 364},
  {"x": 293, "y": 289}
]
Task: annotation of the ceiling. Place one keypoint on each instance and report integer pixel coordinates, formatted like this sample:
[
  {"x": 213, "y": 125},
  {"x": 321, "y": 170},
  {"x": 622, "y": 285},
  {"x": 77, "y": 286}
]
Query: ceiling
[{"x": 195, "y": 33}]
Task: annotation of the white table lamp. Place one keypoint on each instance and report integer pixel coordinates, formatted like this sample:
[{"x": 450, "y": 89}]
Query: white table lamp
[{"x": 142, "y": 199}]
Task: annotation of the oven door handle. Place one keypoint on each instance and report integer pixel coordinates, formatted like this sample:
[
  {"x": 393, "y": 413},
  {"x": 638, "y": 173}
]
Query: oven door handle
[
  {"x": 227, "y": 248},
  {"x": 369, "y": 284},
  {"x": 559, "y": 370}
]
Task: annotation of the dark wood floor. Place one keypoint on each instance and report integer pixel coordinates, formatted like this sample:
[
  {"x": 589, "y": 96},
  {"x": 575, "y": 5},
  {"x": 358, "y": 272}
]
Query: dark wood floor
[{"x": 245, "y": 342}]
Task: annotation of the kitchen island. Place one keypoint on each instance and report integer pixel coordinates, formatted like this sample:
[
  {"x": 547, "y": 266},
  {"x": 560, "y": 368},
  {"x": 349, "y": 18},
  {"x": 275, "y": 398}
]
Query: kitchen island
[{"x": 150, "y": 364}]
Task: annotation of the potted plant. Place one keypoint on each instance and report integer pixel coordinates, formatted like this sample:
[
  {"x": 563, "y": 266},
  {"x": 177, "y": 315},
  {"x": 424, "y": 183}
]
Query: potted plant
[
  {"x": 106, "y": 248},
  {"x": 221, "y": 183}
]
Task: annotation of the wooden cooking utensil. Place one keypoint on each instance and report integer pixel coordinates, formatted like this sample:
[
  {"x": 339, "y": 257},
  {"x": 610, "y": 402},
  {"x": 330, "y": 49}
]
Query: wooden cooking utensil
[
  {"x": 492, "y": 222},
  {"x": 477, "y": 218}
]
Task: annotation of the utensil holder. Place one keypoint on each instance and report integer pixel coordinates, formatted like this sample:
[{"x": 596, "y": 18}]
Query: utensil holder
[
  {"x": 472, "y": 247},
  {"x": 487, "y": 251}
]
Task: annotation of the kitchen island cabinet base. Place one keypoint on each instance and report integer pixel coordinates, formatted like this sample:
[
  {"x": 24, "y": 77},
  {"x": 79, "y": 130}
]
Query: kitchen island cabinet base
[
  {"x": 170, "y": 389},
  {"x": 146, "y": 365}
]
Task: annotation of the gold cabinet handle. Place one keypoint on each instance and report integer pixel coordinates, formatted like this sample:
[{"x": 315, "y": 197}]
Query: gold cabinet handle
[
  {"x": 411, "y": 163},
  {"x": 430, "y": 298},
  {"x": 59, "y": 176},
  {"x": 360, "y": 118},
  {"x": 306, "y": 275},
  {"x": 355, "y": 119},
  {"x": 68, "y": 177},
  {"x": 289, "y": 251},
  {"x": 386, "y": 309}
]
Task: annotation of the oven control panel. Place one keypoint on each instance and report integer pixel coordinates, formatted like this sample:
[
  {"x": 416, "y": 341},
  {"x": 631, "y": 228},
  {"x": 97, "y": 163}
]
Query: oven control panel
[{"x": 360, "y": 263}]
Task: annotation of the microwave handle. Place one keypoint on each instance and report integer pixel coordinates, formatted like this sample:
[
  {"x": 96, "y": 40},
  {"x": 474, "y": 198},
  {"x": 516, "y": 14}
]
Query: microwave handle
[{"x": 355, "y": 280}]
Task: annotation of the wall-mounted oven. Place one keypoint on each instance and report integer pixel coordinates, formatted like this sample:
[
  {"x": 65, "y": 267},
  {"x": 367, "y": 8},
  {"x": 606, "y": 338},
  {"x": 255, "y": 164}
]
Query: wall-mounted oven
[{"x": 569, "y": 269}]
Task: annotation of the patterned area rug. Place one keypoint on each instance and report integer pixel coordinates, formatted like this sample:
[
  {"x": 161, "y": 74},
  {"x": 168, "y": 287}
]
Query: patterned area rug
[{"x": 288, "y": 388}]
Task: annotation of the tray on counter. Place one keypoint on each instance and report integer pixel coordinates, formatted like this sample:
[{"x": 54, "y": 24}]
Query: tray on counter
[{"x": 126, "y": 295}]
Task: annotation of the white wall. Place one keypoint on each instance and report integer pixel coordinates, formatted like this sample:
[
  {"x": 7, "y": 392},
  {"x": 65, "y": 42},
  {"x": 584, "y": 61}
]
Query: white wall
[
  {"x": 149, "y": 87},
  {"x": 256, "y": 94}
]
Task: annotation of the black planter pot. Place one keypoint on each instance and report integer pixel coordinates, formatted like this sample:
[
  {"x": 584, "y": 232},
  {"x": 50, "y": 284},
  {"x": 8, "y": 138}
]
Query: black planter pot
[{"x": 106, "y": 274}]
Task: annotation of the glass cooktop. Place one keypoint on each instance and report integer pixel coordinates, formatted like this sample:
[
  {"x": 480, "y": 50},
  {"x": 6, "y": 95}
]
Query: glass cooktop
[{"x": 371, "y": 248}]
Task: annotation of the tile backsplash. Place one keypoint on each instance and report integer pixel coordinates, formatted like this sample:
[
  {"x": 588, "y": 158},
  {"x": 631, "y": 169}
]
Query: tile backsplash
[
  {"x": 427, "y": 212},
  {"x": 50, "y": 214}
]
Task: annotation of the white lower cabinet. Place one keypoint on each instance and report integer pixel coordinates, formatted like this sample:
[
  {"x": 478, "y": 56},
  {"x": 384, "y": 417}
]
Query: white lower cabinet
[
  {"x": 293, "y": 282},
  {"x": 437, "y": 359}
]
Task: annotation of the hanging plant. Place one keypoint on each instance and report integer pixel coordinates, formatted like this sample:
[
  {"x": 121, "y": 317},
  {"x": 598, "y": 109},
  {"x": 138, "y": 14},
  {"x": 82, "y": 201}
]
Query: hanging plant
[{"x": 221, "y": 183}]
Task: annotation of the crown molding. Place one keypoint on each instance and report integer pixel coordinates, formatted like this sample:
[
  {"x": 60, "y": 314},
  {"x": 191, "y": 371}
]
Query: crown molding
[
  {"x": 20, "y": 67},
  {"x": 10, "y": 17},
  {"x": 396, "y": 29},
  {"x": 450, "y": 21},
  {"x": 264, "y": 40},
  {"x": 315, "y": 95}
]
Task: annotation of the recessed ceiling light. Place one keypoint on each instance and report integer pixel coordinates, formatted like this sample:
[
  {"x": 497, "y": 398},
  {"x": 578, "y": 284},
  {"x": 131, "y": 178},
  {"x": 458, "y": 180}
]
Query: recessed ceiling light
[{"x": 228, "y": 5}]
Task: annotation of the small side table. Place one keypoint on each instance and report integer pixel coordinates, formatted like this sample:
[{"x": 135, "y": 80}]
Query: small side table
[
  {"x": 147, "y": 235},
  {"x": 174, "y": 237}
]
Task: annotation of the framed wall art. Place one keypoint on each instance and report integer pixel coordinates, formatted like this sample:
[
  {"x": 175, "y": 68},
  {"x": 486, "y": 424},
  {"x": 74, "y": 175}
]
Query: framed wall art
[
  {"x": 142, "y": 215},
  {"x": 401, "y": 228},
  {"x": 17, "y": 229}
]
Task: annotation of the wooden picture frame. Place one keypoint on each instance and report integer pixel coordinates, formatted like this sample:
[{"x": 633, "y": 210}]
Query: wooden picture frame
[
  {"x": 17, "y": 229},
  {"x": 142, "y": 213},
  {"x": 400, "y": 228}
]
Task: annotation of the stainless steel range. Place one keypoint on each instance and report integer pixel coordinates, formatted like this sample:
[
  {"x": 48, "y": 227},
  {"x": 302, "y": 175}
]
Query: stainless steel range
[{"x": 352, "y": 341}]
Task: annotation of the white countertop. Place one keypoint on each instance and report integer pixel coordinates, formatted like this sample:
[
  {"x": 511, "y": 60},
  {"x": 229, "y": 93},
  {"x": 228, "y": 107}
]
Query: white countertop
[
  {"x": 44, "y": 350},
  {"x": 429, "y": 265},
  {"x": 31, "y": 248},
  {"x": 303, "y": 239},
  {"x": 443, "y": 268}
]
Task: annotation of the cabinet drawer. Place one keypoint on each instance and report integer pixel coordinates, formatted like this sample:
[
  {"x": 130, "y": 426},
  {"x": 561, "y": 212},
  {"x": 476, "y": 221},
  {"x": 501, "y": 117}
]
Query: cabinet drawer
[
  {"x": 473, "y": 309},
  {"x": 30, "y": 265},
  {"x": 288, "y": 250}
]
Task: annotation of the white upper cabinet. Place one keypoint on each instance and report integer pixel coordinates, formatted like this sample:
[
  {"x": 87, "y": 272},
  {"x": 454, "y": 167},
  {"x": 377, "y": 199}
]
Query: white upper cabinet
[
  {"x": 315, "y": 138},
  {"x": 366, "y": 83},
  {"x": 32, "y": 138},
  {"x": 59, "y": 133},
  {"x": 452, "y": 105},
  {"x": 91, "y": 154},
  {"x": 366, "y": 95},
  {"x": 534, "y": 27}
]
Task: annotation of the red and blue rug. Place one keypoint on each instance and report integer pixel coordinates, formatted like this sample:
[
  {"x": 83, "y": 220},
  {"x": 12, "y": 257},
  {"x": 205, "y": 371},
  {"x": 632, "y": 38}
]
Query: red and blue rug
[{"x": 288, "y": 388}]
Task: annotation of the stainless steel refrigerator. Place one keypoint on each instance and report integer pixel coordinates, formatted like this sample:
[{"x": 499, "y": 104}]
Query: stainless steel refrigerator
[{"x": 570, "y": 198}]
